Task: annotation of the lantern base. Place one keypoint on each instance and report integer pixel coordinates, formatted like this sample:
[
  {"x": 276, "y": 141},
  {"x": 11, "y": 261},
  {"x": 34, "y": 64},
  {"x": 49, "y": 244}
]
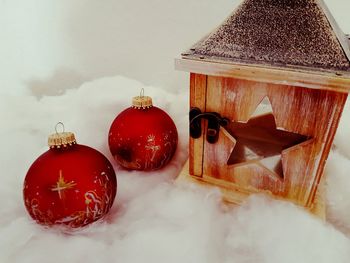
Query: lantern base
[{"x": 234, "y": 197}]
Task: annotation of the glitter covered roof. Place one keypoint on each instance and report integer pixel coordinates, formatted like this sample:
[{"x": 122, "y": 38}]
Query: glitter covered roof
[{"x": 290, "y": 33}]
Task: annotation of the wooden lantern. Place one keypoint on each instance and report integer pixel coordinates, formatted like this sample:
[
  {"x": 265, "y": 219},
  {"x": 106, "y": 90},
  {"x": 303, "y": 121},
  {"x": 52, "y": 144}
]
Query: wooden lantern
[{"x": 289, "y": 54}]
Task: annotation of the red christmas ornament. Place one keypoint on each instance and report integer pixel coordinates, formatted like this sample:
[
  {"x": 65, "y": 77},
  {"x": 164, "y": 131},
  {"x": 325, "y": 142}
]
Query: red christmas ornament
[
  {"x": 70, "y": 184},
  {"x": 143, "y": 137}
]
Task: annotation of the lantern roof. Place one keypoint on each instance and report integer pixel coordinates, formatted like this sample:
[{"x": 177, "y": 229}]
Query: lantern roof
[{"x": 296, "y": 34}]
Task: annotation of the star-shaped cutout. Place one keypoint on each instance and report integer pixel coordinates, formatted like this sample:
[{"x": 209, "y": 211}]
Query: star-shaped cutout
[
  {"x": 259, "y": 140},
  {"x": 61, "y": 185}
]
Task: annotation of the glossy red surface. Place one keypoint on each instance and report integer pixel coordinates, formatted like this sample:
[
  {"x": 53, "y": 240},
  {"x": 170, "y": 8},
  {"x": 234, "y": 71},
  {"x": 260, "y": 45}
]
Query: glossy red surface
[
  {"x": 74, "y": 186},
  {"x": 143, "y": 139}
]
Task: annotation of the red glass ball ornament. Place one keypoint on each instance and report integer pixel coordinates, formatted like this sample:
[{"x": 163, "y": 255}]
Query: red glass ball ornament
[
  {"x": 69, "y": 184},
  {"x": 143, "y": 137}
]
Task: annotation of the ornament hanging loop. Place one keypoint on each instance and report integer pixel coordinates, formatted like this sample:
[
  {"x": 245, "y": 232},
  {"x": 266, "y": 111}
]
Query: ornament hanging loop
[
  {"x": 62, "y": 138},
  {"x": 59, "y": 124},
  {"x": 142, "y": 101}
]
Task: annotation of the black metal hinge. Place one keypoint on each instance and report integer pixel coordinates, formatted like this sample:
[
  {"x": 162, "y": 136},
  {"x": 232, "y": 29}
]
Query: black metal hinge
[{"x": 214, "y": 122}]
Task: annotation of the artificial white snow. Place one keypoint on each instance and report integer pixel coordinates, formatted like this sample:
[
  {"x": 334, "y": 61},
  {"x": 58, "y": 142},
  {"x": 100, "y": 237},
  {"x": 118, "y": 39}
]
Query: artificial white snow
[
  {"x": 51, "y": 48},
  {"x": 153, "y": 219}
]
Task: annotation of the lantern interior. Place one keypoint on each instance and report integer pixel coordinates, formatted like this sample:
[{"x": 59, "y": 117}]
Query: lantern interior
[{"x": 259, "y": 140}]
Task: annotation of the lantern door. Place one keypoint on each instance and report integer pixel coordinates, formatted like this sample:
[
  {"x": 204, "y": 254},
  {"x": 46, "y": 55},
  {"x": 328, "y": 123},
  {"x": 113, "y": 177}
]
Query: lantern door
[{"x": 282, "y": 151}]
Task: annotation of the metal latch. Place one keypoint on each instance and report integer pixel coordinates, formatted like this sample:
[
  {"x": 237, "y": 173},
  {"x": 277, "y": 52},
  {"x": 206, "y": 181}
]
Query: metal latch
[{"x": 214, "y": 122}]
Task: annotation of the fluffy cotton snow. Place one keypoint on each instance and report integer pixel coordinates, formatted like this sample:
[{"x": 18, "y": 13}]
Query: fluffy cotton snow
[
  {"x": 154, "y": 220},
  {"x": 56, "y": 48}
]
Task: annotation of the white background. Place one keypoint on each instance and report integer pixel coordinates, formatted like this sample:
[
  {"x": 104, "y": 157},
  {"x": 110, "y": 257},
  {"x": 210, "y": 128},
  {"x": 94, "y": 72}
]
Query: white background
[{"x": 48, "y": 46}]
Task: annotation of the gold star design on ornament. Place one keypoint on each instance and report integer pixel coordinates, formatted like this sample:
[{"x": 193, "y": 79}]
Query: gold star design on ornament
[
  {"x": 62, "y": 185},
  {"x": 259, "y": 140}
]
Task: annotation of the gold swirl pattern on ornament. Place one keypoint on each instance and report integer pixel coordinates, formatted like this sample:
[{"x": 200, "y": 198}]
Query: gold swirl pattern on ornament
[{"x": 95, "y": 205}]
